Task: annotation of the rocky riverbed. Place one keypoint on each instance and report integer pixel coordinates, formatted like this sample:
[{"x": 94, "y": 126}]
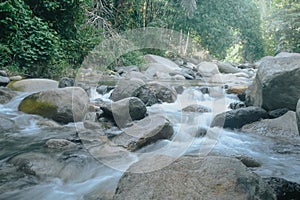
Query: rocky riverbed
[{"x": 208, "y": 130}]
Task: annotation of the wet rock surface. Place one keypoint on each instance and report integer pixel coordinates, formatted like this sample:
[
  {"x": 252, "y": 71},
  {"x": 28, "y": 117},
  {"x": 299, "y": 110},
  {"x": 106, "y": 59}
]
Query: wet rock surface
[{"x": 193, "y": 178}]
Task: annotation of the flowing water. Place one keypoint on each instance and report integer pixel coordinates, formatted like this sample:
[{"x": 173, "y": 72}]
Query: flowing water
[{"x": 76, "y": 174}]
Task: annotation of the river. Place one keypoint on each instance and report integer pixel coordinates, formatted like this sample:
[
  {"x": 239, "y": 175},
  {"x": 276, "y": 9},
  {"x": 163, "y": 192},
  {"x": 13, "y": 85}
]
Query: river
[{"x": 78, "y": 174}]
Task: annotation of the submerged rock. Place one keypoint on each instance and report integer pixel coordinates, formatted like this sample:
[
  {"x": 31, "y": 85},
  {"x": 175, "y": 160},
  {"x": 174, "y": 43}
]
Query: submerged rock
[
  {"x": 238, "y": 118},
  {"x": 63, "y": 105},
  {"x": 192, "y": 178}
]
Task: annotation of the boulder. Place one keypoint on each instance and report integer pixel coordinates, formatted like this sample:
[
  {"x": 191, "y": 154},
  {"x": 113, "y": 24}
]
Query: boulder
[
  {"x": 227, "y": 68},
  {"x": 190, "y": 177},
  {"x": 4, "y": 81},
  {"x": 6, "y": 95},
  {"x": 125, "y": 111},
  {"x": 207, "y": 69},
  {"x": 284, "y": 189},
  {"x": 238, "y": 118},
  {"x": 277, "y": 84},
  {"x": 144, "y": 132},
  {"x": 196, "y": 108},
  {"x": 66, "y": 82},
  {"x": 282, "y": 126},
  {"x": 163, "y": 92},
  {"x": 298, "y": 115},
  {"x": 33, "y": 85},
  {"x": 63, "y": 105},
  {"x": 126, "y": 88}
]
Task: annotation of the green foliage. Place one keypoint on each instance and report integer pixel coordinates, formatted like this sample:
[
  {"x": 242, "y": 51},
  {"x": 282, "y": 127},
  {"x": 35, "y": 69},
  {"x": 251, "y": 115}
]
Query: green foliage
[
  {"x": 43, "y": 38},
  {"x": 214, "y": 23},
  {"x": 29, "y": 44},
  {"x": 284, "y": 26}
]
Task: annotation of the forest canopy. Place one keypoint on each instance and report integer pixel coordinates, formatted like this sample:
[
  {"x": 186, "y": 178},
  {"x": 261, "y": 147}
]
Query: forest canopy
[{"x": 47, "y": 38}]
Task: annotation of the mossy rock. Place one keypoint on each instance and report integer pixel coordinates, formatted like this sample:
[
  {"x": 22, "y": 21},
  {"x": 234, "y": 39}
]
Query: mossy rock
[
  {"x": 31, "y": 105},
  {"x": 63, "y": 105}
]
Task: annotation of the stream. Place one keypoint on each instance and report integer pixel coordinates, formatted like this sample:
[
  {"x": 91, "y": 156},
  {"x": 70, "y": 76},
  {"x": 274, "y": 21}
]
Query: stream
[{"x": 77, "y": 174}]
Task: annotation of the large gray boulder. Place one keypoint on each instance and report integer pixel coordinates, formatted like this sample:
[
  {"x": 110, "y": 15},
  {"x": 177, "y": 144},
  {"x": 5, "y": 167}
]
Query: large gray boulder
[
  {"x": 33, "y": 85},
  {"x": 282, "y": 126},
  {"x": 144, "y": 132},
  {"x": 298, "y": 115},
  {"x": 277, "y": 83},
  {"x": 192, "y": 178},
  {"x": 6, "y": 95},
  {"x": 238, "y": 118},
  {"x": 126, "y": 88},
  {"x": 63, "y": 105},
  {"x": 125, "y": 111}
]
